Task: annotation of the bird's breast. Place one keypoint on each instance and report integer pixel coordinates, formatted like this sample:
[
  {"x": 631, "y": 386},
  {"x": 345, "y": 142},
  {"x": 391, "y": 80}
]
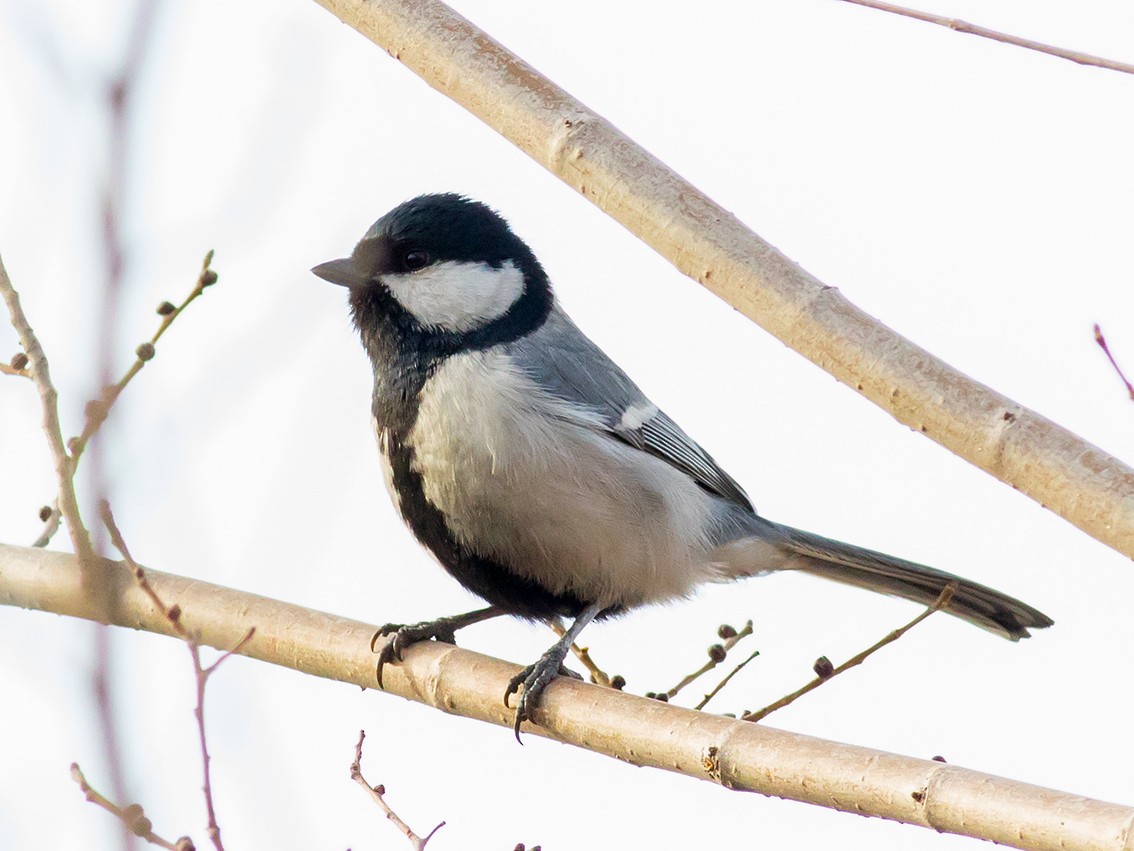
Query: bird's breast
[{"x": 540, "y": 487}]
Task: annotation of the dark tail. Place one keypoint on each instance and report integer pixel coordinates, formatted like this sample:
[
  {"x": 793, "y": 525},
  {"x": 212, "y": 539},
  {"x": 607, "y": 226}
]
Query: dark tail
[{"x": 885, "y": 574}]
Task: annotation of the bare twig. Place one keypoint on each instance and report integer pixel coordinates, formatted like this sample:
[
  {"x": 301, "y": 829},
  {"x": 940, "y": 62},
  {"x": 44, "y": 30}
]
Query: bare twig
[
  {"x": 49, "y": 398},
  {"x": 583, "y": 654},
  {"x": 1005, "y": 38},
  {"x": 825, "y": 674},
  {"x": 172, "y": 614},
  {"x": 377, "y": 794},
  {"x": 98, "y": 410},
  {"x": 1101, "y": 340},
  {"x": 724, "y": 682},
  {"x": 717, "y": 654},
  {"x": 132, "y": 815}
]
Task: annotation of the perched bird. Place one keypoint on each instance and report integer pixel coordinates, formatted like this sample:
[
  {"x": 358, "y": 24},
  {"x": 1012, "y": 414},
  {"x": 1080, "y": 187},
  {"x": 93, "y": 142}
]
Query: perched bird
[{"x": 537, "y": 472}]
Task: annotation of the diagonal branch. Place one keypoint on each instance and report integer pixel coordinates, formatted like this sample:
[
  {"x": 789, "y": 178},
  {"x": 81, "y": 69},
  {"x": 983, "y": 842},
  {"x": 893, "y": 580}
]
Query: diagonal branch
[
  {"x": 960, "y": 26},
  {"x": 1081, "y": 483},
  {"x": 735, "y": 754}
]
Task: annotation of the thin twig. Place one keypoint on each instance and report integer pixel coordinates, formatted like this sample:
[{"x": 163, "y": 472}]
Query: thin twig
[
  {"x": 1101, "y": 340},
  {"x": 583, "y": 654},
  {"x": 1006, "y": 38},
  {"x": 132, "y": 816},
  {"x": 940, "y": 603},
  {"x": 724, "y": 682},
  {"x": 201, "y": 673},
  {"x": 716, "y": 656},
  {"x": 376, "y": 794},
  {"x": 49, "y": 398},
  {"x": 98, "y": 410}
]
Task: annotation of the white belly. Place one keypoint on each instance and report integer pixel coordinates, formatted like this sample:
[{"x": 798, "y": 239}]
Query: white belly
[{"x": 528, "y": 481}]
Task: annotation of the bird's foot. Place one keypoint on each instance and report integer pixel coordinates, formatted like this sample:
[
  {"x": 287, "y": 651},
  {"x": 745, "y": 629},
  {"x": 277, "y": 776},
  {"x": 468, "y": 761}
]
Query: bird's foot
[
  {"x": 405, "y": 635},
  {"x": 535, "y": 679}
]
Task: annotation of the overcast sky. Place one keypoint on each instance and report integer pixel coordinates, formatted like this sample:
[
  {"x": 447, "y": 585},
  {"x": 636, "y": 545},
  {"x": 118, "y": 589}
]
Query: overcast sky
[{"x": 973, "y": 196}]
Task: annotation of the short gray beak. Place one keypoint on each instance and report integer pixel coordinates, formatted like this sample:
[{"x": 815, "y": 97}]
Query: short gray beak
[{"x": 342, "y": 272}]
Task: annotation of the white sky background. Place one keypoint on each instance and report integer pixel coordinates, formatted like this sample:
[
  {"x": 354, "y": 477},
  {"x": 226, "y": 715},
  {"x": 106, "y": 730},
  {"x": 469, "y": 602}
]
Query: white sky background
[{"x": 973, "y": 196}]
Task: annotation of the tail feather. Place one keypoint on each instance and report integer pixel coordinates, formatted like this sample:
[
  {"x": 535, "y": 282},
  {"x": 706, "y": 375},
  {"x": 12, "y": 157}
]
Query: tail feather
[{"x": 975, "y": 603}]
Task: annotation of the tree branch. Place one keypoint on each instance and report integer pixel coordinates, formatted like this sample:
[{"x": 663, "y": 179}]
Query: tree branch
[
  {"x": 735, "y": 754},
  {"x": 377, "y": 795},
  {"x": 960, "y": 26},
  {"x": 1058, "y": 469}
]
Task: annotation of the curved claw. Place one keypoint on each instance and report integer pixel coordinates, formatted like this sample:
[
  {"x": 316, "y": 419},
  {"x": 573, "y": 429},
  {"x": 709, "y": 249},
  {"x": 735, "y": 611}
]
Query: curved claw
[
  {"x": 405, "y": 635},
  {"x": 535, "y": 679}
]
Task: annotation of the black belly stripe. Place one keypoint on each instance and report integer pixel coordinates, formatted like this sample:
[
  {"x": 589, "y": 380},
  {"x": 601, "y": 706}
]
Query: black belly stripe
[{"x": 484, "y": 577}]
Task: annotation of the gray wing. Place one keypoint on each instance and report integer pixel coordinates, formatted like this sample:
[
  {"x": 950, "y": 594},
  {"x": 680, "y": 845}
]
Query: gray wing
[{"x": 564, "y": 361}]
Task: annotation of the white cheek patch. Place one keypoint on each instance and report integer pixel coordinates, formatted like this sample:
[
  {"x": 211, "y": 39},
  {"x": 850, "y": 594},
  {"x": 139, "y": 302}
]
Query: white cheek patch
[{"x": 457, "y": 296}]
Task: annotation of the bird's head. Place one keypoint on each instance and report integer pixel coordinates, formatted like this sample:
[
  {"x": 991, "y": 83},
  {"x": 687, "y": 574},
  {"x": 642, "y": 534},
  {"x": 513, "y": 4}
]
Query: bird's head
[{"x": 443, "y": 269}]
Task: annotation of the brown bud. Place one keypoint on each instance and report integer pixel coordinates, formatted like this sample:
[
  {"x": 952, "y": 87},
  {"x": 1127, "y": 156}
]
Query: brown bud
[
  {"x": 662, "y": 696},
  {"x": 19, "y": 360},
  {"x": 717, "y": 653},
  {"x": 145, "y": 352},
  {"x": 823, "y": 668},
  {"x": 136, "y": 820},
  {"x": 380, "y": 789},
  {"x": 208, "y": 278},
  {"x": 174, "y": 613},
  {"x": 185, "y": 844},
  {"x": 165, "y": 308},
  {"x": 725, "y": 632},
  {"x": 618, "y": 682},
  {"x": 45, "y": 513},
  {"x": 939, "y": 758},
  {"x": 95, "y": 410}
]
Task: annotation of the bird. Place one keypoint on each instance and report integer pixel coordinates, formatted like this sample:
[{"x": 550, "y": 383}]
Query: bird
[{"x": 537, "y": 472}]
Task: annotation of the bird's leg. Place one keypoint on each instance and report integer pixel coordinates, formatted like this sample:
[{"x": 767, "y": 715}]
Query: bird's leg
[
  {"x": 442, "y": 629},
  {"x": 535, "y": 678}
]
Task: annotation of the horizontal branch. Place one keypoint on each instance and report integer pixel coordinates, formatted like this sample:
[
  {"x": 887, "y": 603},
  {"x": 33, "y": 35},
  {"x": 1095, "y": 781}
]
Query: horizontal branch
[
  {"x": 1058, "y": 469},
  {"x": 736, "y": 754}
]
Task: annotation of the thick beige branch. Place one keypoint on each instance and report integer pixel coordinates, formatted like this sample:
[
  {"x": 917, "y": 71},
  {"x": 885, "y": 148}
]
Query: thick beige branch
[
  {"x": 1056, "y": 468},
  {"x": 735, "y": 754}
]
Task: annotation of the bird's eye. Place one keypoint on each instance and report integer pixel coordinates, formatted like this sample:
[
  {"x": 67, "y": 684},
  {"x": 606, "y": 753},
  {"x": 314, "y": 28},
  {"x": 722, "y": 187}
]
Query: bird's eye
[{"x": 414, "y": 259}]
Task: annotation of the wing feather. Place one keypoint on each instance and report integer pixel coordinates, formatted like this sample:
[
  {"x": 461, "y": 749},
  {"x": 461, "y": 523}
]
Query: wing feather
[{"x": 563, "y": 361}]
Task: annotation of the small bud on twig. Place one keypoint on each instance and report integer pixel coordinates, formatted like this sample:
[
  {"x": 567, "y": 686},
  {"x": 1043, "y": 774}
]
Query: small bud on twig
[
  {"x": 208, "y": 278},
  {"x": 165, "y": 308},
  {"x": 19, "y": 360},
  {"x": 45, "y": 514},
  {"x": 717, "y": 653},
  {"x": 618, "y": 682},
  {"x": 823, "y": 668},
  {"x": 725, "y": 631},
  {"x": 136, "y": 820},
  {"x": 145, "y": 352}
]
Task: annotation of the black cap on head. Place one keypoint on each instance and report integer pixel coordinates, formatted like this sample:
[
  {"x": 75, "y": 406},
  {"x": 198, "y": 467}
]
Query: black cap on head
[{"x": 429, "y": 229}]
